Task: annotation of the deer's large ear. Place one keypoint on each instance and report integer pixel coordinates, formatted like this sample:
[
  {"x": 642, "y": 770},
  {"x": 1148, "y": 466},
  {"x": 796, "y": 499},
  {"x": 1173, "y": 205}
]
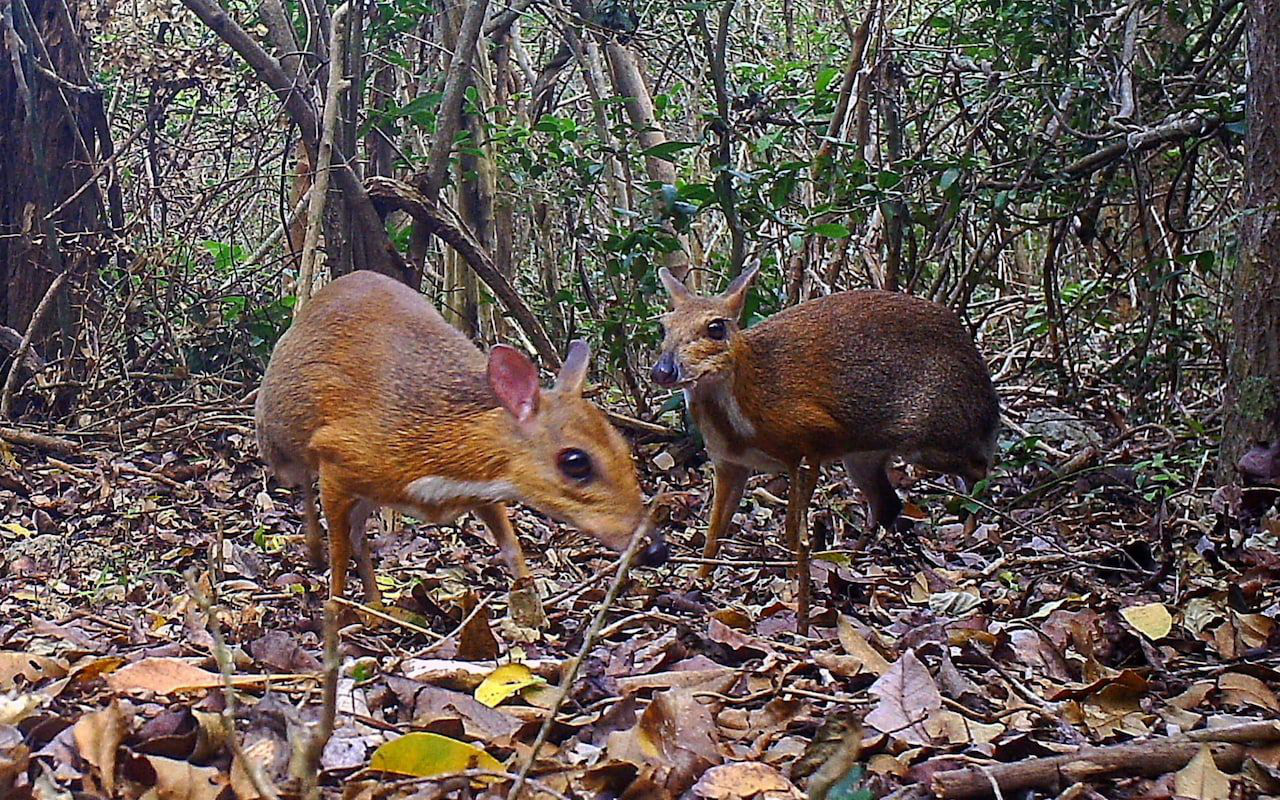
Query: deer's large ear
[
  {"x": 678, "y": 291},
  {"x": 736, "y": 294},
  {"x": 573, "y": 374},
  {"x": 514, "y": 379}
]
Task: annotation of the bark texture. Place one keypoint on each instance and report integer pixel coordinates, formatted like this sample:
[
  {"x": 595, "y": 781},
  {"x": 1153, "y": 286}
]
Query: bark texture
[
  {"x": 1252, "y": 407},
  {"x": 46, "y": 131}
]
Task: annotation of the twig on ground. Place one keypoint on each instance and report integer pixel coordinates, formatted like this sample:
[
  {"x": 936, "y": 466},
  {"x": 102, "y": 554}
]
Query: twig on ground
[
  {"x": 1149, "y": 758},
  {"x": 373, "y": 612},
  {"x": 535, "y": 784},
  {"x": 588, "y": 641},
  {"x": 38, "y": 440},
  {"x": 308, "y": 767},
  {"x": 261, "y": 783},
  {"x": 480, "y": 606}
]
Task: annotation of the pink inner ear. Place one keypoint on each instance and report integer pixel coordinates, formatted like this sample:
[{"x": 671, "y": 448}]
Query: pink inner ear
[{"x": 514, "y": 379}]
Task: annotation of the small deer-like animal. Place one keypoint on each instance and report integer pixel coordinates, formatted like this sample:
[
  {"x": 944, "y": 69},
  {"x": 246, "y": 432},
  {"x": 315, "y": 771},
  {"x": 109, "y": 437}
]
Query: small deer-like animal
[
  {"x": 860, "y": 376},
  {"x": 372, "y": 393}
]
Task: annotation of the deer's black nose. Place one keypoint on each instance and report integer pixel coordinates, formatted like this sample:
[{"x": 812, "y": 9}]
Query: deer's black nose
[
  {"x": 656, "y": 554},
  {"x": 664, "y": 372}
]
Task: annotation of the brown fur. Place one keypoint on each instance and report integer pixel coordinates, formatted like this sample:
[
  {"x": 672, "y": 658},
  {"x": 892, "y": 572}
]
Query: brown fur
[
  {"x": 861, "y": 376},
  {"x": 371, "y": 389}
]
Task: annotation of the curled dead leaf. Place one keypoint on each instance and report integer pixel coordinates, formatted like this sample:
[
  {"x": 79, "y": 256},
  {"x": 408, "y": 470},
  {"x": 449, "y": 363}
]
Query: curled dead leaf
[
  {"x": 745, "y": 780},
  {"x": 28, "y": 667}
]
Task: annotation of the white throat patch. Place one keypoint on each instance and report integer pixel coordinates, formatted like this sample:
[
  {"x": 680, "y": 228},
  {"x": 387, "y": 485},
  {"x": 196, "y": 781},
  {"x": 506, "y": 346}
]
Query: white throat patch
[
  {"x": 433, "y": 490},
  {"x": 721, "y": 394}
]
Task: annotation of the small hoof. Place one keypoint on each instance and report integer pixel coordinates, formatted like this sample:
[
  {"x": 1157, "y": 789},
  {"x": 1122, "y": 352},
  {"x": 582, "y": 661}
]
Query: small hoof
[{"x": 706, "y": 571}]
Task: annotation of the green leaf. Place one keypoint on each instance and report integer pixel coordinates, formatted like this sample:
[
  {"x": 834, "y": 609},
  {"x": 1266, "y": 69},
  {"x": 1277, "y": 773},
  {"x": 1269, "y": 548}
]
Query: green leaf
[
  {"x": 887, "y": 179},
  {"x": 667, "y": 150},
  {"x": 831, "y": 230},
  {"x": 421, "y": 103},
  {"x": 825, "y": 76},
  {"x": 948, "y": 179},
  {"x": 425, "y": 754},
  {"x": 849, "y": 788}
]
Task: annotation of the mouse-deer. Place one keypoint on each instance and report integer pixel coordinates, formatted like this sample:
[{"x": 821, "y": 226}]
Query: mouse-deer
[
  {"x": 374, "y": 395},
  {"x": 859, "y": 376}
]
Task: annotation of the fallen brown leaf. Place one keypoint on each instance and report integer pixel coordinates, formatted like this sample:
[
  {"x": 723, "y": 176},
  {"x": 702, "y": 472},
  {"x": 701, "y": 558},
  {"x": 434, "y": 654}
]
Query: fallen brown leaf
[
  {"x": 98, "y": 736},
  {"x": 908, "y": 698},
  {"x": 745, "y": 780}
]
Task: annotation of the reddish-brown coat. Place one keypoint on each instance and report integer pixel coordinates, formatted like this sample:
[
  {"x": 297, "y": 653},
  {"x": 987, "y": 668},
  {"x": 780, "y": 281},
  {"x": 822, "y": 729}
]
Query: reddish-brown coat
[
  {"x": 856, "y": 376},
  {"x": 371, "y": 390}
]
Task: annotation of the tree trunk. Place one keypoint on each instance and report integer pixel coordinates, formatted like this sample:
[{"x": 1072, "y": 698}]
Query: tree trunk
[
  {"x": 629, "y": 83},
  {"x": 1252, "y": 402},
  {"x": 52, "y": 209}
]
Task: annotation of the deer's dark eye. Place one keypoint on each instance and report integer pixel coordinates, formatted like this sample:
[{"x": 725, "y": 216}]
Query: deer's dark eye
[
  {"x": 575, "y": 464},
  {"x": 717, "y": 329}
]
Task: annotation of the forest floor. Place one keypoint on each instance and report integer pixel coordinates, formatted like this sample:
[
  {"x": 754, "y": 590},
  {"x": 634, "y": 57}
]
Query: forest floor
[{"x": 1084, "y": 611}]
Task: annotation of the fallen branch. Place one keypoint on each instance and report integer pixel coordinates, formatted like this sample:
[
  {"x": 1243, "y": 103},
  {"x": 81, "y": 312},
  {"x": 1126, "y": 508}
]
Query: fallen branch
[
  {"x": 1148, "y": 758},
  {"x": 39, "y": 441},
  {"x": 390, "y": 194}
]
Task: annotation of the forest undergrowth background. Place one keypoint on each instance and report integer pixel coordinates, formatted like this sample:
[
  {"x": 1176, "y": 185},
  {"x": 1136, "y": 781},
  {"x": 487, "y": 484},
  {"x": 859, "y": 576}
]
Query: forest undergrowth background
[{"x": 1067, "y": 176}]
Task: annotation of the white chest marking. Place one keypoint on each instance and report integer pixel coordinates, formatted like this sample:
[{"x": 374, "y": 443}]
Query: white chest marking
[
  {"x": 433, "y": 490},
  {"x": 721, "y": 396}
]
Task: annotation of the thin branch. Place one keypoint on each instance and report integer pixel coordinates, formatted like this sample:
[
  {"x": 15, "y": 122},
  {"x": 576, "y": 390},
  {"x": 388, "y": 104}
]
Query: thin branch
[
  {"x": 588, "y": 641},
  {"x": 300, "y": 108},
  {"x": 38, "y": 440},
  {"x": 389, "y": 193},
  {"x": 19, "y": 355},
  {"x": 451, "y": 101},
  {"x": 320, "y": 188},
  {"x": 1155, "y": 756}
]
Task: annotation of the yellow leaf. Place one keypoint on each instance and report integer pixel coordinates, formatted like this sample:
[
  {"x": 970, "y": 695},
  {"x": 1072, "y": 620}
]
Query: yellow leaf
[
  {"x": 1201, "y": 779},
  {"x": 1152, "y": 620},
  {"x": 425, "y": 754},
  {"x": 504, "y": 682},
  {"x": 18, "y": 530}
]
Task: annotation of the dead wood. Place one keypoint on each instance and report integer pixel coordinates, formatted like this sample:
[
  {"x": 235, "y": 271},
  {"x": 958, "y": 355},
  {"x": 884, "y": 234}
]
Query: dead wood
[
  {"x": 11, "y": 340},
  {"x": 37, "y": 317},
  {"x": 1146, "y": 758},
  {"x": 38, "y": 441},
  {"x": 390, "y": 194}
]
